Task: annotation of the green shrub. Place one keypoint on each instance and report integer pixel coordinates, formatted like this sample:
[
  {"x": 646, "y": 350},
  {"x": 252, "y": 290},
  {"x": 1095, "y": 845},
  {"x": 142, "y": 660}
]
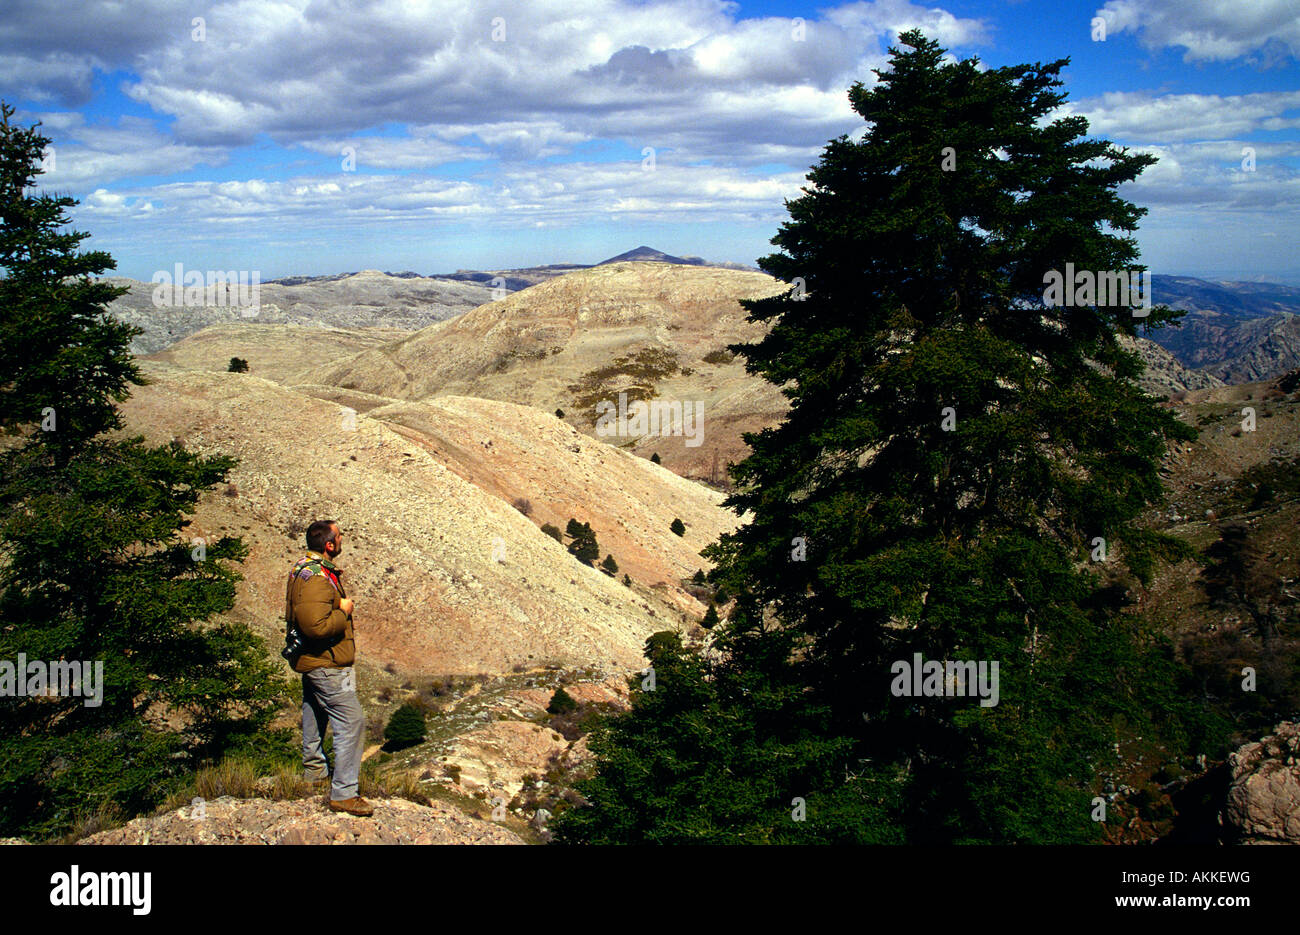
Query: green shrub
[
  {"x": 561, "y": 702},
  {"x": 405, "y": 728}
]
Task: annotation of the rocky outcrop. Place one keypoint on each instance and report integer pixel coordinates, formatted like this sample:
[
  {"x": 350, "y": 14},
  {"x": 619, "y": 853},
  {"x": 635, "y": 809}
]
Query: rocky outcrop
[
  {"x": 307, "y": 821},
  {"x": 519, "y": 741},
  {"x": 1273, "y": 349},
  {"x": 1263, "y": 803},
  {"x": 1164, "y": 375}
]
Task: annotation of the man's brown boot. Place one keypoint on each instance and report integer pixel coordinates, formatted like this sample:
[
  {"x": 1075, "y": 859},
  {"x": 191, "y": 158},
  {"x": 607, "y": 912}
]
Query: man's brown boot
[{"x": 353, "y": 806}]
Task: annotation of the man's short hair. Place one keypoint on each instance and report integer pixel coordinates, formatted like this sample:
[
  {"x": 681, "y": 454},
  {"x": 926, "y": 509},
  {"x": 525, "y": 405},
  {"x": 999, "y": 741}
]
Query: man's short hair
[{"x": 320, "y": 532}]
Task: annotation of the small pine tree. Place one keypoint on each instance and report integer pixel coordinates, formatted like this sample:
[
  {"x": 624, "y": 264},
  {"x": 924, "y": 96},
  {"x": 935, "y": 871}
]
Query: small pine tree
[
  {"x": 237, "y": 365},
  {"x": 561, "y": 702},
  {"x": 698, "y": 577},
  {"x": 553, "y": 532},
  {"x": 584, "y": 546},
  {"x": 1237, "y": 576},
  {"x": 609, "y": 566},
  {"x": 655, "y": 458},
  {"x": 405, "y": 727},
  {"x": 559, "y": 413},
  {"x": 627, "y": 582},
  {"x": 710, "y": 618},
  {"x": 678, "y": 528}
]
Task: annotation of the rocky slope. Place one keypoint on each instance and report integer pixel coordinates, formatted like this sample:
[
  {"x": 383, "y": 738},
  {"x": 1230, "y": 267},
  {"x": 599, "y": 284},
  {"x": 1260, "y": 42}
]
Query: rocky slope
[
  {"x": 1237, "y": 331},
  {"x": 359, "y": 300},
  {"x": 1271, "y": 347},
  {"x": 229, "y": 820},
  {"x": 1164, "y": 374}
]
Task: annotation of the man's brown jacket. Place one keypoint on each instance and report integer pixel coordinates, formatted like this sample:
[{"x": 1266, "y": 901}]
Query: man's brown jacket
[{"x": 311, "y": 601}]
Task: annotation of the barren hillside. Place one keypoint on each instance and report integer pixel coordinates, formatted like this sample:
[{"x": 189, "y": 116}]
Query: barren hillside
[
  {"x": 448, "y": 577},
  {"x": 273, "y": 352},
  {"x": 652, "y": 330},
  {"x": 357, "y": 300}
]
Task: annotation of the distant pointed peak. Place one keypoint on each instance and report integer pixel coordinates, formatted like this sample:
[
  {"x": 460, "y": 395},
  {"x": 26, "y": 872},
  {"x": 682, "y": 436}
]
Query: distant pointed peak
[{"x": 650, "y": 254}]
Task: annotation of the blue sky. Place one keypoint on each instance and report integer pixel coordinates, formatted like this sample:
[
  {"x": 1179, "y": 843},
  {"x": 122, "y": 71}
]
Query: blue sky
[{"x": 323, "y": 136}]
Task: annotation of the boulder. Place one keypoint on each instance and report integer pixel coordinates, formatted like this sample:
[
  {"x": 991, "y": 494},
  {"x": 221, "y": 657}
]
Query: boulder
[{"x": 1263, "y": 801}]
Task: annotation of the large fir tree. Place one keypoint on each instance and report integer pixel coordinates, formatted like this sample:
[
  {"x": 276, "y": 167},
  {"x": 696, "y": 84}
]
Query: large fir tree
[
  {"x": 956, "y": 447},
  {"x": 94, "y": 567}
]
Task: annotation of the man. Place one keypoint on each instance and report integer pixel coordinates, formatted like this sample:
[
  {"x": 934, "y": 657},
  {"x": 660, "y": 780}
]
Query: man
[{"x": 316, "y": 603}]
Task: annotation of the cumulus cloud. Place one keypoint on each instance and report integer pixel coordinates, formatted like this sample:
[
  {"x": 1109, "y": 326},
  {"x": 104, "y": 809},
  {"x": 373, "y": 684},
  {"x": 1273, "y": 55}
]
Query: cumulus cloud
[
  {"x": 86, "y": 153},
  {"x": 556, "y": 71},
  {"x": 556, "y": 195},
  {"x": 896, "y": 16},
  {"x": 1145, "y": 117},
  {"x": 1210, "y": 30},
  {"x": 379, "y": 152},
  {"x": 1224, "y": 175}
]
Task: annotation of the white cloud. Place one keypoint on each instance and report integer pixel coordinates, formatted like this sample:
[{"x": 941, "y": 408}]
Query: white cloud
[
  {"x": 102, "y": 203},
  {"x": 85, "y": 153},
  {"x": 557, "y": 195},
  {"x": 1214, "y": 175},
  {"x": 1145, "y": 117},
  {"x": 379, "y": 152},
  {"x": 1210, "y": 30},
  {"x": 316, "y": 72},
  {"x": 896, "y": 16}
]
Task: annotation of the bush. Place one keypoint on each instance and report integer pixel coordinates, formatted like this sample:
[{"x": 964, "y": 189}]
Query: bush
[
  {"x": 559, "y": 413},
  {"x": 237, "y": 365},
  {"x": 678, "y": 527},
  {"x": 523, "y": 505},
  {"x": 405, "y": 728},
  {"x": 553, "y": 532}
]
